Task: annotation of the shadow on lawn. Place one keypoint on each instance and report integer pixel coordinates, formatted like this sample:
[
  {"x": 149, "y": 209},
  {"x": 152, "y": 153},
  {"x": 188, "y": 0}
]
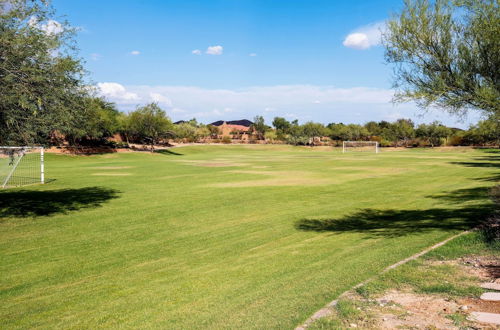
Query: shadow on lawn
[
  {"x": 28, "y": 203},
  {"x": 392, "y": 223},
  {"x": 168, "y": 152}
]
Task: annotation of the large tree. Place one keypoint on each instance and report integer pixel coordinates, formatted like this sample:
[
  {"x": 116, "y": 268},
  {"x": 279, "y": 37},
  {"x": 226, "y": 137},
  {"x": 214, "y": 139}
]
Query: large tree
[
  {"x": 150, "y": 124},
  {"x": 447, "y": 54},
  {"x": 41, "y": 79}
]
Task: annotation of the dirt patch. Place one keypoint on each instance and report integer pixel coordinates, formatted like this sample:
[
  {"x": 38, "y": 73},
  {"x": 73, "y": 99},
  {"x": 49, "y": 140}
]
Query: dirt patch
[
  {"x": 304, "y": 178},
  {"x": 111, "y": 167},
  {"x": 485, "y": 268},
  {"x": 277, "y": 178},
  {"x": 111, "y": 174},
  {"x": 409, "y": 310},
  {"x": 212, "y": 164}
]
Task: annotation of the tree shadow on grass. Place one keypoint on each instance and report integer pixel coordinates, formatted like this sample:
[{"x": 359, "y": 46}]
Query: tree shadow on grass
[
  {"x": 460, "y": 196},
  {"x": 394, "y": 223},
  {"x": 168, "y": 152},
  {"x": 28, "y": 203},
  {"x": 478, "y": 164}
]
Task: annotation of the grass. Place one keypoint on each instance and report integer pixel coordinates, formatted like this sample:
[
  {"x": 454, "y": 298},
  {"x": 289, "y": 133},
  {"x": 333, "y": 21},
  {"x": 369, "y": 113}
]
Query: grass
[{"x": 223, "y": 236}]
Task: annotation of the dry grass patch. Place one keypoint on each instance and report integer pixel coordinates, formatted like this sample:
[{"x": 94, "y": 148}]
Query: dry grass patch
[
  {"x": 305, "y": 178},
  {"x": 111, "y": 167},
  {"x": 111, "y": 174}
]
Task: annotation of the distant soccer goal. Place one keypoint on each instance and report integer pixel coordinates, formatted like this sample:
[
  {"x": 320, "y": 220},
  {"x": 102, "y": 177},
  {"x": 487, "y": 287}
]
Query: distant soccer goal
[
  {"x": 20, "y": 166},
  {"x": 369, "y": 146}
]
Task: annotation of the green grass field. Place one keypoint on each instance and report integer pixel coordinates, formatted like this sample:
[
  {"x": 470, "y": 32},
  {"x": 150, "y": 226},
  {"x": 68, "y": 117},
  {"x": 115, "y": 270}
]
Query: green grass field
[{"x": 223, "y": 236}]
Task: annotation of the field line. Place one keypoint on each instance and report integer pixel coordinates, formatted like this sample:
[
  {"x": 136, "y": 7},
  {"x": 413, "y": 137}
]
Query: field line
[{"x": 328, "y": 309}]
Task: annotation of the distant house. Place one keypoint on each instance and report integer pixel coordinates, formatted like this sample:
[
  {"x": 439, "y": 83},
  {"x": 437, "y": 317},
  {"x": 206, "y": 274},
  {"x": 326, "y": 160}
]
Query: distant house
[
  {"x": 242, "y": 122},
  {"x": 235, "y": 129}
]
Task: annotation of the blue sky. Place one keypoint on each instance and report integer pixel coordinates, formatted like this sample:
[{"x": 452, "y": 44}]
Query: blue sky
[{"x": 230, "y": 59}]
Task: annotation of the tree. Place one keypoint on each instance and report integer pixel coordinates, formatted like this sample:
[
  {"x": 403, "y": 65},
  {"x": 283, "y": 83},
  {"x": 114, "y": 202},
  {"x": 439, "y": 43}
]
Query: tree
[
  {"x": 259, "y": 127},
  {"x": 41, "y": 79},
  {"x": 214, "y": 131},
  {"x": 98, "y": 120},
  {"x": 447, "y": 54},
  {"x": 150, "y": 124},
  {"x": 187, "y": 131},
  {"x": 434, "y": 132},
  {"x": 404, "y": 130},
  {"x": 312, "y": 130},
  {"x": 483, "y": 133}
]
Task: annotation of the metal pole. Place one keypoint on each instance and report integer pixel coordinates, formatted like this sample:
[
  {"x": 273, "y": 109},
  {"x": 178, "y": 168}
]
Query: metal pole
[
  {"x": 42, "y": 167},
  {"x": 343, "y": 147}
]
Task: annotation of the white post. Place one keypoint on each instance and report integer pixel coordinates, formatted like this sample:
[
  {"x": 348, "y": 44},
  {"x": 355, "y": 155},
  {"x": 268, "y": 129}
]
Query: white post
[
  {"x": 343, "y": 147},
  {"x": 376, "y": 147},
  {"x": 42, "y": 167}
]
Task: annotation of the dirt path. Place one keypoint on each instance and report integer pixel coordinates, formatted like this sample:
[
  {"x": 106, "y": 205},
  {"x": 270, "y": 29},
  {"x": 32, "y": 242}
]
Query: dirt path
[{"x": 329, "y": 308}]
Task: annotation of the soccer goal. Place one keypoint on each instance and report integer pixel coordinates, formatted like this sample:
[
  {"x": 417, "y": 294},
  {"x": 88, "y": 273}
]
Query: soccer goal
[
  {"x": 20, "y": 166},
  {"x": 370, "y": 146}
]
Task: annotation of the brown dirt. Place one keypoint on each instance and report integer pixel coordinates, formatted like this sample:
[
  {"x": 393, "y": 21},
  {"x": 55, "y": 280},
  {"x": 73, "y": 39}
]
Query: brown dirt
[
  {"x": 398, "y": 309},
  {"x": 405, "y": 309},
  {"x": 409, "y": 310}
]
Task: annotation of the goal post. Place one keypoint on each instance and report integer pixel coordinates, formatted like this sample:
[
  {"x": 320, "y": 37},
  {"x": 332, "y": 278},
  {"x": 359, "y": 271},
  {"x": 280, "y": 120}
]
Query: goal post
[
  {"x": 369, "y": 146},
  {"x": 20, "y": 166}
]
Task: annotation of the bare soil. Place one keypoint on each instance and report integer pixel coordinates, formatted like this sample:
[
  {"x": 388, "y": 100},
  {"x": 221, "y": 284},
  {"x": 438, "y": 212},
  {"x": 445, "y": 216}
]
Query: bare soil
[{"x": 405, "y": 309}]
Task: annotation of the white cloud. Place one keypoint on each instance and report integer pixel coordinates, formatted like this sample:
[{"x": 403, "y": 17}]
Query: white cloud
[
  {"x": 161, "y": 99},
  {"x": 252, "y": 54},
  {"x": 135, "y": 52},
  {"x": 304, "y": 102},
  {"x": 117, "y": 93},
  {"x": 215, "y": 50},
  {"x": 365, "y": 37},
  {"x": 196, "y": 52},
  {"x": 95, "y": 56},
  {"x": 52, "y": 27}
]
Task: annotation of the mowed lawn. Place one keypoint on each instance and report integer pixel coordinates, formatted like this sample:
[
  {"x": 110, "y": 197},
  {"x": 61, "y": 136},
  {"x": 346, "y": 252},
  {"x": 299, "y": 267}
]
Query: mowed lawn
[{"x": 223, "y": 236}]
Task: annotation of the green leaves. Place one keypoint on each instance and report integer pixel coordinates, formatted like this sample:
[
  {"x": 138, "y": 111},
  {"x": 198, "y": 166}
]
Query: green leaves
[
  {"x": 41, "y": 81},
  {"x": 447, "y": 54}
]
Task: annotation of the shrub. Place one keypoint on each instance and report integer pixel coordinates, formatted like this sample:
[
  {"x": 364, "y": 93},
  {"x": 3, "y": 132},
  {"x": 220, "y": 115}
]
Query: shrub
[{"x": 226, "y": 140}]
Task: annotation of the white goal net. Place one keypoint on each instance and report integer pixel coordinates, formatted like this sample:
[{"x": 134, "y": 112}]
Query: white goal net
[
  {"x": 369, "y": 146},
  {"x": 20, "y": 166}
]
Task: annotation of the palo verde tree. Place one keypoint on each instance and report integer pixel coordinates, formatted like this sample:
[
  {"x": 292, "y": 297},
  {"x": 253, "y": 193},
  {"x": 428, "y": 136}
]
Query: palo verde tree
[
  {"x": 447, "y": 54},
  {"x": 259, "y": 127},
  {"x": 41, "y": 79},
  {"x": 149, "y": 124}
]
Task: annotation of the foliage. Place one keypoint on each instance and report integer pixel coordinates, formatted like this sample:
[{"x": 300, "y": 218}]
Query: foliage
[
  {"x": 214, "y": 131},
  {"x": 226, "y": 140},
  {"x": 99, "y": 120},
  {"x": 435, "y": 133},
  {"x": 259, "y": 127},
  {"x": 41, "y": 79},
  {"x": 185, "y": 131},
  {"x": 271, "y": 136},
  {"x": 149, "y": 124},
  {"x": 447, "y": 53},
  {"x": 485, "y": 132}
]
